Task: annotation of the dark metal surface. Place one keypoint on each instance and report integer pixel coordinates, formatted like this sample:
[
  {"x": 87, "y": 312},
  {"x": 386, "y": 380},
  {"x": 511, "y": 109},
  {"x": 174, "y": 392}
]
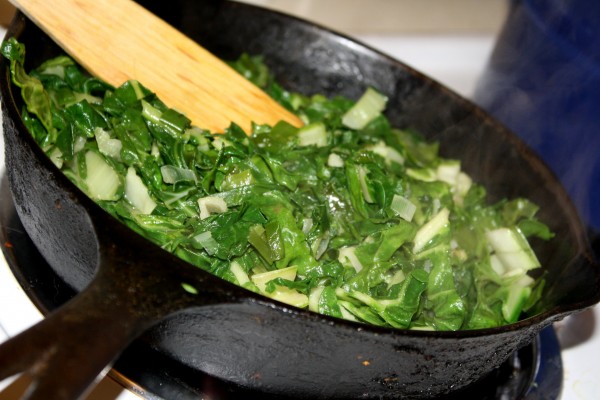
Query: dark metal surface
[{"x": 260, "y": 344}]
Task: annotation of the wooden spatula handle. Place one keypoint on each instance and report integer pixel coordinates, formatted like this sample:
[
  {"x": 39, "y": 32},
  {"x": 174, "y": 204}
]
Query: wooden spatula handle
[{"x": 117, "y": 40}]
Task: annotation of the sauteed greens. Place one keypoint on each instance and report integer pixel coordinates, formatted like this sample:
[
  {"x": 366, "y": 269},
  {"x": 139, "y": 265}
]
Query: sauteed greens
[{"x": 346, "y": 216}]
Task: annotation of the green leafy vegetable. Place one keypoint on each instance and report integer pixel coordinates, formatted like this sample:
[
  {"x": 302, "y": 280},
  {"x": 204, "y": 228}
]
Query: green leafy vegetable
[{"x": 346, "y": 216}]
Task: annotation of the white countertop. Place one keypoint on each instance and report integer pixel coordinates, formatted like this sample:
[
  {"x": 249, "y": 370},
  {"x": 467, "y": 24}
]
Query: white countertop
[{"x": 457, "y": 62}]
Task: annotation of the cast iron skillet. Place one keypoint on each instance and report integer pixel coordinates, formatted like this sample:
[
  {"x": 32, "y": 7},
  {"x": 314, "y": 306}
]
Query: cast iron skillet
[{"x": 128, "y": 286}]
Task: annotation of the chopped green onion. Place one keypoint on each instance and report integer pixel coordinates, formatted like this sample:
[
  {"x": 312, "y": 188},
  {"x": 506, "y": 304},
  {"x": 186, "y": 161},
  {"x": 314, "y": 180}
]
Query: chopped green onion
[
  {"x": 239, "y": 273},
  {"x": 108, "y": 146},
  {"x": 368, "y": 107},
  {"x": 432, "y": 228},
  {"x": 151, "y": 113},
  {"x": 281, "y": 293},
  {"x": 137, "y": 88},
  {"x": 206, "y": 240},
  {"x": 448, "y": 171},
  {"x": 101, "y": 179},
  {"x": 403, "y": 207},
  {"x": 347, "y": 255},
  {"x": 516, "y": 298},
  {"x": 314, "y": 297},
  {"x": 422, "y": 174},
  {"x": 513, "y": 250},
  {"x": 364, "y": 187},
  {"x": 137, "y": 193},
  {"x": 388, "y": 153},
  {"x": 56, "y": 156},
  {"x": 313, "y": 134},
  {"x": 189, "y": 288},
  {"x": 463, "y": 184},
  {"x": 210, "y": 205},
  {"x": 335, "y": 161},
  {"x": 261, "y": 280},
  {"x": 172, "y": 174}
]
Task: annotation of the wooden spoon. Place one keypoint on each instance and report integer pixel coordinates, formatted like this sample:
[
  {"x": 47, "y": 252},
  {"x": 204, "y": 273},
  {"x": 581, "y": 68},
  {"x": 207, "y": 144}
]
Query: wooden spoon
[{"x": 118, "y": 40}]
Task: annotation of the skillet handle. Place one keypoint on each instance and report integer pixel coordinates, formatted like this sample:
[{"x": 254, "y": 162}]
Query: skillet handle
[
  {"x": 65, "y": 352},
  {"x": 131, "y": 291}
]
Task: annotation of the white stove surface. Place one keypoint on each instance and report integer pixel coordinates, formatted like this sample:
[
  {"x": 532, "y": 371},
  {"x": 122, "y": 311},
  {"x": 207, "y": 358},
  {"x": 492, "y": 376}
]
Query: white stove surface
[{"x": 456, "y": 61}]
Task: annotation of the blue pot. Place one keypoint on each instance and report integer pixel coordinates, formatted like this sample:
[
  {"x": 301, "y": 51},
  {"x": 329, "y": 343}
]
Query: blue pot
[{"x": 543, "y": 82}]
